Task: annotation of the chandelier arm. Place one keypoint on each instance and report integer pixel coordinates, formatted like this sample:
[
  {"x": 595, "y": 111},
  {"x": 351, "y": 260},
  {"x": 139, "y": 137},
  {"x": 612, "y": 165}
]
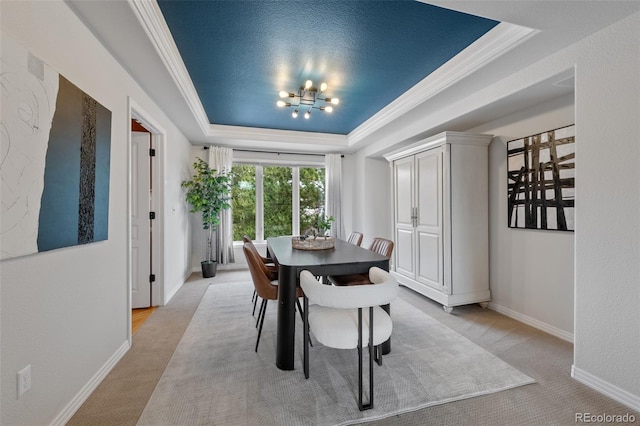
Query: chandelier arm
[{"x": 309, "y": 97}]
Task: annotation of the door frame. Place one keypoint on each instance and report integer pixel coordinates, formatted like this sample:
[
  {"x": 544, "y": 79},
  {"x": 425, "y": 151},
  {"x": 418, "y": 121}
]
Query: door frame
[{"x": 158, "y": 142}]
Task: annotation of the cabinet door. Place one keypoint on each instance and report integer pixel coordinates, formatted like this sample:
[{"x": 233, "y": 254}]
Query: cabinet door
[
  {"x": 404, "y": 194},
  {"x": 429, "y": 243}
]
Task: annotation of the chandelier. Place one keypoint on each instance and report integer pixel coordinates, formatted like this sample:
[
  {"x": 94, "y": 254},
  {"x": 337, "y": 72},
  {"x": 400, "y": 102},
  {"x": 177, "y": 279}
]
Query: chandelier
[{"x": 308, "y": 98}]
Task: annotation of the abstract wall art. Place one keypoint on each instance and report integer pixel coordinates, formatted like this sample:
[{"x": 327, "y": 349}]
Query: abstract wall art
[
  {"x": 541, "y": 180},
  {"x": 55, "y": 147}
]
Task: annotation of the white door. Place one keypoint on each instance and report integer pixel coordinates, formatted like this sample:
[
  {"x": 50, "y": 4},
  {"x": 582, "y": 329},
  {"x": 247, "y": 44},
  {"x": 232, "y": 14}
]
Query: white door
[
  {"x": 140, "y": 222},
  {"x": 404, "y": 216},
  {"x": 429, "y": 244}
]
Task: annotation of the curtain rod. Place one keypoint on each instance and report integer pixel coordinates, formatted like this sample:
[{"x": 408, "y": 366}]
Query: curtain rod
[{"x": 278, "y": 153}]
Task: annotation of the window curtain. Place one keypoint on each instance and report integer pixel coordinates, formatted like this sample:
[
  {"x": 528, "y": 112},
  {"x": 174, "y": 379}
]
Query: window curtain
[
  {"x": 333, "y": 193},
  {"x": 221, "y": 159}
]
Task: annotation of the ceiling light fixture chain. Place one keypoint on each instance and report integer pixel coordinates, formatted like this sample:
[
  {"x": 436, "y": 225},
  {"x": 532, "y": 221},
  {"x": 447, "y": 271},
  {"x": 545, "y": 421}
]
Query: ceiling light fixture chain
[{"x": 308, "y": 97}]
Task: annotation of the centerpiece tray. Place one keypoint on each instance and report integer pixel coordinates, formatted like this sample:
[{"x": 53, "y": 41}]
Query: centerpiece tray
[{"x": 311, "y": 243}]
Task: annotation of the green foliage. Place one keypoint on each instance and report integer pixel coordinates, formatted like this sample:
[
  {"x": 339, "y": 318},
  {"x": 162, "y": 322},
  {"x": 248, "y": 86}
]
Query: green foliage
[
  {"x": 278, "y": 194},
  {"x": 278, "y": 199},
  {"x": 311, "y": 196},
  {"x": 208, "y": 193},
  {"x": 323, "y": 223},
  {"x": 243, "y": 190}
]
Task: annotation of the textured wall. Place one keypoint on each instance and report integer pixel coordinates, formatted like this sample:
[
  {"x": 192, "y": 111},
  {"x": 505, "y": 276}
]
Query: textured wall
[{"x": 65, "y": 312}]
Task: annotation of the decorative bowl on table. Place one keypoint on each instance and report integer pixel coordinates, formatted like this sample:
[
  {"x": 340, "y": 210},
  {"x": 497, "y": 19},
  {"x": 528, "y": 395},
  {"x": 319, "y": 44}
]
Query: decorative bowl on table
[{"x": 313, "y": 243}]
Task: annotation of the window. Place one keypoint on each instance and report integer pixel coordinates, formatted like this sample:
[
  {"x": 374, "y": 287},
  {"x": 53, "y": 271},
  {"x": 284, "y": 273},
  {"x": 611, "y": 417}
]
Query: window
[
  {"x": 311, "y": 195},
  {"x": 278, "y": 199},
  {"x": 268, "y": 201},
  {"x": 243, "y": 201}
]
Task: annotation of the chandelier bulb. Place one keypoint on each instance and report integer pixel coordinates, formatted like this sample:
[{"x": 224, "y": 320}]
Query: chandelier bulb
[
  {"x": 323, "y": 87},
  {"x": 335, "y": 101},
  {"x": 328, "y": 109},
  {"x": 308, "y": 84},
  {"x": 294, "y": 114},
  {"x": 307, "y": 114}
]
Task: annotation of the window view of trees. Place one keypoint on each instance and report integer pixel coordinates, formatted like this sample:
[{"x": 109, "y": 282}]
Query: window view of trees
[
  {"x": 281, "y": 189},
  {"x": 278, "y": 201},
  {"x": 311, "y": 195},
  {"x": 243, "y": 200}
]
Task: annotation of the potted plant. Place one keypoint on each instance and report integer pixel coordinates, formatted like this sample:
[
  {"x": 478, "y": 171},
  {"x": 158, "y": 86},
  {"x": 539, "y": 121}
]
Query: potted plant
[
  {"x": 323, "y": 224},
  {"x": 208, "y": 193}
]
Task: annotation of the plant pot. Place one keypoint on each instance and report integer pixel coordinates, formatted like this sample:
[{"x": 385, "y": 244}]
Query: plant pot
[{"x": 209, "y": 268}]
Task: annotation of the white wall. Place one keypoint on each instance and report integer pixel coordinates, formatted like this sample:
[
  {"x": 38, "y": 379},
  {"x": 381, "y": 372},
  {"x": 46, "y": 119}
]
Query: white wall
[
  {"x": 531, "y": 271},
  {"x": 368, "y": 179},
  {"x": 378, "y": 200},
  {"x": 176, "y": 231},
  {"x": 607, "y": 237},
  {"x": 65, "y": 312},
  {"x": 607, "y": 350}
]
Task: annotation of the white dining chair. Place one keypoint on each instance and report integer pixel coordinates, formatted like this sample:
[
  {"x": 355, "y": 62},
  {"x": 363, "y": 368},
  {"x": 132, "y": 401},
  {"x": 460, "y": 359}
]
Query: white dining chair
[{"x": 335, "y": 317}]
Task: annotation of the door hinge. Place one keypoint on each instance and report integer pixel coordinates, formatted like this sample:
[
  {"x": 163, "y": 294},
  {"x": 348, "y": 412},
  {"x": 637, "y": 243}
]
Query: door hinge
[
  {"x": 152, "y": 215},
  {"x": 152, "y": 278},
  {"x": 152, "y": 152}
]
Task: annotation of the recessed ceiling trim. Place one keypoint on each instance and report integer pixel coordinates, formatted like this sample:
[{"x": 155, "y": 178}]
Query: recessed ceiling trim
[
  {"x": 219, "y": 131},
  {"x": 502, "y": 38},
  {"x": 496, "y": 42},
  {"x": 152, "y": 20}
]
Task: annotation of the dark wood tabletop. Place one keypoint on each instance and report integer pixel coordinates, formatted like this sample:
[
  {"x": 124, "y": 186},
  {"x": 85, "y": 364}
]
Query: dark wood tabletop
[{"x": 344, "y": 258}]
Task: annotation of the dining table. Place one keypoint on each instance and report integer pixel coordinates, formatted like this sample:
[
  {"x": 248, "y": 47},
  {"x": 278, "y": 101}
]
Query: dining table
[{"x": 343, "y": 258}]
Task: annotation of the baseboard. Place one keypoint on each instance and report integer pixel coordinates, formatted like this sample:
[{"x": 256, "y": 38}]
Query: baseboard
[
  {"x": 86, "y": 391},
  {"x": 224, "y": 267},
  {"x": 547, "y": 328},
  {"x": 606, "y": 388},
  {"x": 169, "y": 296}
]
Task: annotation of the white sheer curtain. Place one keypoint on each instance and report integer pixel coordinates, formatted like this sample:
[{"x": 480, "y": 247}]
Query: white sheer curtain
[
  {"x": 333, "y": 193},
  {"x": 221, "y": 159}
]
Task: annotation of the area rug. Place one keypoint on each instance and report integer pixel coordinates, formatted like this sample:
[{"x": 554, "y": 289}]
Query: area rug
[{"x": 216, "y": 378}]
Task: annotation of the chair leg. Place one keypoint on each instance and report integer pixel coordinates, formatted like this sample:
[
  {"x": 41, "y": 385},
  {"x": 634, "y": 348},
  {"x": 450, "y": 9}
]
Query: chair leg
[
  {"x": 300, "y": 309},
  {"x": 305, "y": 332},
  {"x": 260, "y": 310},
  {"x": 362, "y": 406},
  {"x": 255, "y": 302},
  {"x": 370, "y": 405},
  {"x": 302, "y": 317},
  {"x": 261, "y": 315}
]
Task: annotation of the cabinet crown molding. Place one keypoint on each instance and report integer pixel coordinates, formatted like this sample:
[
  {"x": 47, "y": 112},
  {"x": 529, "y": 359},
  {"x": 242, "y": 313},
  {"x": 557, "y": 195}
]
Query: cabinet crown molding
[{"x": 440, "y": 139}]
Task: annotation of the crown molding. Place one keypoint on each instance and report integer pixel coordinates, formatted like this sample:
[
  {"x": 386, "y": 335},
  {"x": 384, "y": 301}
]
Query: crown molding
[
  {"x": 150, "y": 17},
  {"x": 502, "y": 38},
  {"x": 455, "y": 138},
  {"x": 224, "y": 133},
  {"x": 496, "y": 42}
]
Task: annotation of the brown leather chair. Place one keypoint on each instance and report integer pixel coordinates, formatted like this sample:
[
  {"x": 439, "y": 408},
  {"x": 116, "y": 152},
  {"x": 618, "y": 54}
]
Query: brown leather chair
[
  {"x": 269, "y": 263},
  {"x": 265, "y": 288},
  {"x": 271, "y": 267},
  {"x": 381, "y": 246},
  {"x": 355, "y": 238}
]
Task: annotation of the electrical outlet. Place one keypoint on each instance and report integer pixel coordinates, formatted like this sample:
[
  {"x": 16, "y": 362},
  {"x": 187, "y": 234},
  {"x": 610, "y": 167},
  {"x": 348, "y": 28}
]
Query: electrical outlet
[{"x": 24, "y": 380}]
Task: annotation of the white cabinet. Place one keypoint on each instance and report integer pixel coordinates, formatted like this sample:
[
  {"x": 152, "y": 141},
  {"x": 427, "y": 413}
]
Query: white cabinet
[{"x": 441, "y": 223}]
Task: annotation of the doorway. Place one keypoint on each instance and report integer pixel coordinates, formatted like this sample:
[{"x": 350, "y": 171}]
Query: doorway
[
  {"x": 146, "y": 201},
  {"x": 142, "y": 216}
]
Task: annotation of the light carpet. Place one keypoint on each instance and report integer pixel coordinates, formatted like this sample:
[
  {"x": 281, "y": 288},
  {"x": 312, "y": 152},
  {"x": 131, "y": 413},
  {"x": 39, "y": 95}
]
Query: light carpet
[{"x": 216, "y": 378}]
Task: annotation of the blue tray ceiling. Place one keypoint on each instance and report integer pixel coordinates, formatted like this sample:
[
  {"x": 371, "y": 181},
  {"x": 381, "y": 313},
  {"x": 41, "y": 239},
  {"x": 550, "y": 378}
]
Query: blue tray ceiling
[{"x": 240, "y": 54}]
